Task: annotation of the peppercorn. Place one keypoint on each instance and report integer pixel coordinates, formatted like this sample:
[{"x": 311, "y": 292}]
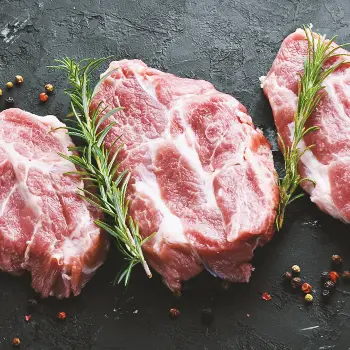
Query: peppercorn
[
  {"x": 49, "y": 87},
  {"x": 296, "y": 282},
  {"x": 207, "y": 316},
  {"x": 287, "y": 276},
  {"x": 27, "y": 317},
  {"x": 225, "y": 285},
  {"x": 9, "y": 84},
  {"x": 329, "y": 285},
  {"x": 306, "y": 288},
  {"x": 334, "y": 276},
  {"x": 174, "y": 313},
  {"x": 61, "y": 315},
  {"x": 336, "y": 260},
  {"x": 326, "y": 295},
  {"x": 16, "y": 341},
  {"x": 309, "y": 298},
  {"x": 9, "y": 102},
  {"x": 324, "y": 277},
  {"x": 19, "y": 79},
  {"x": 346, "y": 276},
  {"x": 0, "y": 92},
  {"x": 43, "y": 97},
  {"x": 295, "y": 270}
]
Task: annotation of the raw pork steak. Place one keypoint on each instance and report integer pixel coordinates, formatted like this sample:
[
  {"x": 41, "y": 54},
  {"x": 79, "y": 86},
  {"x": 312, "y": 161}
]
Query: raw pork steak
[
  {"x": 328, "y": 163},
  {"x": 202, "y": 176},
  {"x": 45, "y": 227}
]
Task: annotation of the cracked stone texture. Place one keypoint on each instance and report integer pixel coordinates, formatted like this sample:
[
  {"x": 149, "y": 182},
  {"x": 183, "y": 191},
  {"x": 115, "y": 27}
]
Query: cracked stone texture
[{"x": 230, "y": 43}]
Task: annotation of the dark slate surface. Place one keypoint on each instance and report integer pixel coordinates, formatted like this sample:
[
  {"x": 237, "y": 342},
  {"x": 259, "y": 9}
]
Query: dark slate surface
[{"x": 231, "y": 43}]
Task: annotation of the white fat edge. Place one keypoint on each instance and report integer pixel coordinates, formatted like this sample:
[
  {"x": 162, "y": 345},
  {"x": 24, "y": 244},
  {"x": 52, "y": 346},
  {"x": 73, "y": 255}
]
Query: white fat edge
[
  {"x": 321, "y": 193},
  {"x": 170, "y": 229},
  {"x": 262, "y": 80}
]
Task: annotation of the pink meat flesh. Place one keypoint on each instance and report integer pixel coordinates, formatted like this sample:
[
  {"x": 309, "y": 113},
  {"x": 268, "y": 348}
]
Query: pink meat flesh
[
  {"x": 328, "y": 162},
  {"x": 202, "y": 176},
  {"x": 45, "y": 227}
]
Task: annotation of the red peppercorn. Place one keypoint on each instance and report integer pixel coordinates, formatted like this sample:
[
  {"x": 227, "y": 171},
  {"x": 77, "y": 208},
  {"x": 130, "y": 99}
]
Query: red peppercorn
[
  {"x": 27, "y": 317},
  {"x": 43, "y": 97},
  {"x": 61, "y": 315},
  {"x": 287, "y": 276},
  {"x": 306, "y": 288},
  {"x": 266, "y": 296},
  {"x": 334, "y": 276},
  {"x": 174, "y": 313}
]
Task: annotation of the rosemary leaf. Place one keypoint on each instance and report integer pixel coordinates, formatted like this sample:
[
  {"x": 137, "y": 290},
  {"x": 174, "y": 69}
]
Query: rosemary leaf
[
  {"x": 310, "y": 92},
  {"x": 98, "y": 166}
]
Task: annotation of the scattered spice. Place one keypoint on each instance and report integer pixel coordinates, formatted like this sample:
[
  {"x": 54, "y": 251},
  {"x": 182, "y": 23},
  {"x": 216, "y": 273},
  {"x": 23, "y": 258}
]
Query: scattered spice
[
  {"x": 287, "y": 276},
  {"x": 309, "y": 298},
  {"x": 334, "y": 276},
  {"x": 62, "y": 316},
  {"x": 16, "y": 341},
  {"x": 32, "y": 304},
  {"x": 49, "y": 87},
  {"x": 324, "y": 277},
  {"x": 19, "y": 79},
  {"x": 225, "y": 285},
  {"x": 207, "y": 316},
  {"x": 346, "y": 276},
  {"x": 9, "y": 84},
  {"x": 326, "y": 294},
  {"x": 43, "y": 97},
  {"x": 329, "y": 285},
  {"x": 296, "y": 282},
  {"x": 27, "y": 317},
  {"x": 306, "y": 288},
  {"x": 295, "y": 270},
  {"x": 248, "y": 315},
  {"x": 9, "y": 102},
  {"x": 337, "y": 260},
  {"x": 266, "y": 296},
  {"x": 174, "y": 313}
]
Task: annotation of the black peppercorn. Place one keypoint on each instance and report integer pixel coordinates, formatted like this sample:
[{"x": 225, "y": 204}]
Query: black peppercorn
[
  {"x": 9, "y": 102},
  {"x": 346, "y": 276},
  {"x": 336, "y": 261},
  {"x": 207, "y": 316},
  {"x": 32, "y": 305},
  {"x": 296, "y": 282},
  {"x": 324, "y": 277},
  {"x": 329, "y": 285},
  {"x": 326, "y": 294},
  {"x": 287, "y": 276}
]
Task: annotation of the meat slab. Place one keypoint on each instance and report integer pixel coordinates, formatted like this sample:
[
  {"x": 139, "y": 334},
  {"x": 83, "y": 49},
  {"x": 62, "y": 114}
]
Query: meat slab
[
  {"x": 45, "y": 227},
  {"x": 328, "y": 163},
  {"x": 202, "y": 176}
]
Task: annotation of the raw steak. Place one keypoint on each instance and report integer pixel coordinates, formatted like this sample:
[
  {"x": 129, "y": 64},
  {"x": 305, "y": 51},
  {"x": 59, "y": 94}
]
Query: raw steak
[
  {"x": 45, "y": 227},
  {"x": 328, "y": 163},
  {"x": 202, "y": 176}
]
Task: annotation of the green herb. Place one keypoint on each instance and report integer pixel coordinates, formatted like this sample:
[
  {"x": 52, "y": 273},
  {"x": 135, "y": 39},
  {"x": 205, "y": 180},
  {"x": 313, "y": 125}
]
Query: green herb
[
  {"x": 98, "y": 166},
  {"x": 310, "y": 93}
]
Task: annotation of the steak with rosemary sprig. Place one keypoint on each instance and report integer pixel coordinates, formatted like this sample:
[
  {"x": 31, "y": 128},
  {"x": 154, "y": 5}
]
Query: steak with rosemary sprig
[
  {"x": 328, "y": 161},
  {"x": 45, "y": 227},
  {"x": 202, "y": 176}
]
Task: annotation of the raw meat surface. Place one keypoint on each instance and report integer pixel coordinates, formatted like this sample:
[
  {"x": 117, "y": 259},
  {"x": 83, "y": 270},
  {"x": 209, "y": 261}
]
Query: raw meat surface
[
  {"x": 202, "y": 177},
  {"x": 45, "y": 227},
  {"x": 328, "y": 162}
]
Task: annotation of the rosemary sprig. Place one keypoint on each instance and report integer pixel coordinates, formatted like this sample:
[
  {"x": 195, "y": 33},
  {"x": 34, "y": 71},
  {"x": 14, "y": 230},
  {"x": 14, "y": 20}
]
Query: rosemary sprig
[
  {"x": 310, "y": 92},
  {"x": 98, "y": 166}
]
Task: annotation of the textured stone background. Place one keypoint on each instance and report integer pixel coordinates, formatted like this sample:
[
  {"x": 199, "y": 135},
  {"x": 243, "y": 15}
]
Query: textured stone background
[{"x": 231, "y": 43}]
